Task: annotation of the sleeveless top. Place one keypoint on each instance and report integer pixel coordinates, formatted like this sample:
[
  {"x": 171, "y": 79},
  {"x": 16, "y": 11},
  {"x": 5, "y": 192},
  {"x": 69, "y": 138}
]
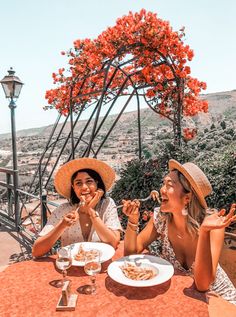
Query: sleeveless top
[
  {"x": 222, "y": 284},
  {"x": 107, "y": 212}
]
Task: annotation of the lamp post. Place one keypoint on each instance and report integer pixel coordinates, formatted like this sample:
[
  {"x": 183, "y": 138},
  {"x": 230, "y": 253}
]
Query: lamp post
[{"x": 12, "y": 87}]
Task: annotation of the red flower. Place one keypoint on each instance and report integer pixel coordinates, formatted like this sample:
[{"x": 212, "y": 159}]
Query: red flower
[
  {"x": 189, "y": 133},
  {"x": 148, "y": 51},
  {"x": 145, "y": 217}
]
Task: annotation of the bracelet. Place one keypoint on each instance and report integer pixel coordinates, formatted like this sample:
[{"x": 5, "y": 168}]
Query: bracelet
[
  {"x": 96, "y": 214},
  {"x": 133, "y": 224},
  {"x": 133, "y": 228}
]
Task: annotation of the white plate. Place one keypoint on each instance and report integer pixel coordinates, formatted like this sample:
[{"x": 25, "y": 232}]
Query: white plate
[
  {"x": 106, "y": 251},
  {"x": 164, "y": 268}
]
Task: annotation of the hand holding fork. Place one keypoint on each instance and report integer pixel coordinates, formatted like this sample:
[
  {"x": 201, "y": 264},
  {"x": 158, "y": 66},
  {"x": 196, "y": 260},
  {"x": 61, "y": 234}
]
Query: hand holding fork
[{"x": 154, "y": 195}]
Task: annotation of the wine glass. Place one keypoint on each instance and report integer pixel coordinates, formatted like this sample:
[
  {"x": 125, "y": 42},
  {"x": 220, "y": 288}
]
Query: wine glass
[
  {"x": 63, "y": 262},
  {"x": 92, "y": 266}
]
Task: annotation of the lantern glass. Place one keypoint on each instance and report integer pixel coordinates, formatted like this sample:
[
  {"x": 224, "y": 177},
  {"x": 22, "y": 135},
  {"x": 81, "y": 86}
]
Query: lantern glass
[{"x": 11, "y": 85}]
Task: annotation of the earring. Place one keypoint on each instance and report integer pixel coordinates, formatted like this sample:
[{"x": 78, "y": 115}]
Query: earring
[{"x": 185, "y": 211}]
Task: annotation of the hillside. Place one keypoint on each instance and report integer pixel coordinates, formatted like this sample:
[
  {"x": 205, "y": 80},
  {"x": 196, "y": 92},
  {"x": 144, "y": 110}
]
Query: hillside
[
  {"x": 221, "y": 105},
  {"x": 122, "y": 144}
]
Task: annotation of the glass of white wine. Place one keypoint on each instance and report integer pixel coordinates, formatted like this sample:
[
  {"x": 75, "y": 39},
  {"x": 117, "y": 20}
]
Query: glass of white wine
[
  {"x": 63, "y": 262},
  {"x": 92, "y": 266}
]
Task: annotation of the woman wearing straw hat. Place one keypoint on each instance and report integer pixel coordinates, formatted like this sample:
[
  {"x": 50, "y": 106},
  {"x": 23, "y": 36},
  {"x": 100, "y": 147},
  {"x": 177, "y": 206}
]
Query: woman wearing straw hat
[
  {"x": 89, "y": 215},
  {"x": 191, "y": 241}
]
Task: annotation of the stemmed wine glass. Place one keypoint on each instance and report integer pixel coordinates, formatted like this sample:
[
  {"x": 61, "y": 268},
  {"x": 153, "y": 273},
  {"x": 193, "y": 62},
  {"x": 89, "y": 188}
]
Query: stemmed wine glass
[
  {"x": 92, "y": 266},
  {"x": 63, "y": 262}
]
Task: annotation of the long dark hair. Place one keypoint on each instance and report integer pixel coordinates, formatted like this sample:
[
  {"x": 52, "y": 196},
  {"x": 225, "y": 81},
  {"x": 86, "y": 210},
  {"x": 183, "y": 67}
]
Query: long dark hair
[{"x": 94, "y": 175}]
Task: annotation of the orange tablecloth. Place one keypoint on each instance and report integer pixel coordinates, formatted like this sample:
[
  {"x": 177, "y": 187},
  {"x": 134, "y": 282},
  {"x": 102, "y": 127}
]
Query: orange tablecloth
[{"x": 26, "y": 290}]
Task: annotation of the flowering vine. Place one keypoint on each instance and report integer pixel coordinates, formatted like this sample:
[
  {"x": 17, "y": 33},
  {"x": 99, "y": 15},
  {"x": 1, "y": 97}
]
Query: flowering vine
[{"x": 140, "y": 52}]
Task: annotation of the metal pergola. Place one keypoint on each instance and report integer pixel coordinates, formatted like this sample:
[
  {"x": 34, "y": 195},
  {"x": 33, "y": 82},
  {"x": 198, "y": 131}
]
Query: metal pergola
[{"x": 83, "y": 145}]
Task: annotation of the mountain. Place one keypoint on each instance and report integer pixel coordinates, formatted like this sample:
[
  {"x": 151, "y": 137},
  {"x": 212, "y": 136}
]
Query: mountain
[
  {"x": 216, "y": 132},
  {"x": 222, "y": 105},
  {"x": 26, "y": 132}
]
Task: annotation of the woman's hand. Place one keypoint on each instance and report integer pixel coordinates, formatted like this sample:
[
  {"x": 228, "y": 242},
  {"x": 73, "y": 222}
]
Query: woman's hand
[
  {"x": 70, "y": 218},
  {"x": 86, "y": 206},
  {"x": 131, "y": 210},
  {"x": 95, "y": 200},
  {"x": 155, "y": 196},
  {"x": 218, "y": 220}
]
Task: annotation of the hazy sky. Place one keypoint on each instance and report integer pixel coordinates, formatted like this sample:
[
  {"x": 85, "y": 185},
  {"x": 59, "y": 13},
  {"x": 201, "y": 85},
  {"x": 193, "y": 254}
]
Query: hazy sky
[{"x": 33, "y": 33}]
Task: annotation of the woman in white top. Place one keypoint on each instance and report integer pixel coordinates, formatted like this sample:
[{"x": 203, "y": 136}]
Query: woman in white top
[
  {"x": 89, "y": 215},
  {"x": 191, "y": 235}
]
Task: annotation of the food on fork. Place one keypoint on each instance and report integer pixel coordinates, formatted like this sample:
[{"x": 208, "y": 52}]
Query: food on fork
[
  {"x": 138, "y": 273},
  {"x": 80, "y": 256}
]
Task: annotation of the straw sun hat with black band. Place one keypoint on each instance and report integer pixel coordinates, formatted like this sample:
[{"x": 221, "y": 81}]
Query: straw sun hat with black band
[
  {"x": 195, "y": 176},
  {"x": 62, "y": 180}
]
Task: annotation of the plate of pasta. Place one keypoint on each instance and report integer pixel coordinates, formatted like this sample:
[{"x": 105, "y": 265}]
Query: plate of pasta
[
  {"x": 78, "y": 251},
  {"x": 140, "y": 270}
]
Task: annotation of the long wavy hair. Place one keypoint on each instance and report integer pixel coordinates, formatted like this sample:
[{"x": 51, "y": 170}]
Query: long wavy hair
[
  {"x": 196, "y": 213},
  {"x": 94, "y": 175}
]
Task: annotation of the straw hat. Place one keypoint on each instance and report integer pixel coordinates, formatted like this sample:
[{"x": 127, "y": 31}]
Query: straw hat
[
  {"x": 197, "y": 179},
  {"x": 62, "y": 180}
]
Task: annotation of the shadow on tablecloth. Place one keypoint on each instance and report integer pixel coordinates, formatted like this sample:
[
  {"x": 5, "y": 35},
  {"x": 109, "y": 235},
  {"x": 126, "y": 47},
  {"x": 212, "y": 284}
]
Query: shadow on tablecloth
[
  {"x": 192, "y": 291},
  {"x": 136, "y": 292}
]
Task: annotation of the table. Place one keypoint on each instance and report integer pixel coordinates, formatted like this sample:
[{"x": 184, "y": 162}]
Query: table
[{"x": 26, "y": 290}]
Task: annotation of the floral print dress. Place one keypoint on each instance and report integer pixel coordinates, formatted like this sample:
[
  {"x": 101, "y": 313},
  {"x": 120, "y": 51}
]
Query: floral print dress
[
  {"x": 107, "y": 212},
  {"x": 222, "y": 284}
]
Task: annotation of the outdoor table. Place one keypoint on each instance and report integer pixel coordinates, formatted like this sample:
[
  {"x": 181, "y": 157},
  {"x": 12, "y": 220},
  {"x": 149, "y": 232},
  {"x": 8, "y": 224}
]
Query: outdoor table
[{"x": 26, "y": 289}]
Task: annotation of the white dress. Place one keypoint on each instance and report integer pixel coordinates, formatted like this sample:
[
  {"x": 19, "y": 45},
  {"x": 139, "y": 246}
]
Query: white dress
[
  {"x": 107, "y": 212},
  {"x": 222, "y": 284}
]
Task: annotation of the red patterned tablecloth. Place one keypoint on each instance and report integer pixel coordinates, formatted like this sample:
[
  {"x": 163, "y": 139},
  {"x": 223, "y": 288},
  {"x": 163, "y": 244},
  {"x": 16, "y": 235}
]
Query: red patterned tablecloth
[{"x": 26, "y": 290}]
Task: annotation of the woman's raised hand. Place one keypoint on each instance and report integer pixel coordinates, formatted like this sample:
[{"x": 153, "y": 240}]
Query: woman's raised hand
[
  {"x": 70, "y": 218},
  {"x": 155, "y": 196},
  {"x": 218, "y": 220},
  {"x": 86, "y": 206},
  {"x": 131, "y": 210},
  {"x": 95, "y": 200}
]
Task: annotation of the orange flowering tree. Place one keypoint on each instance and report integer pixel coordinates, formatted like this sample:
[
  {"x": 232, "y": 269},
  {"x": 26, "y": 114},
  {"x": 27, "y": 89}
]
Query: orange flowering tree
[{"x": 140, "y": 56}]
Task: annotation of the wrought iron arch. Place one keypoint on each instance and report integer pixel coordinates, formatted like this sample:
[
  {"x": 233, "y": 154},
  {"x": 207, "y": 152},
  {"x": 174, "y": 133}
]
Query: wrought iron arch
[
  {"x": 104, "y": 77},
  {"x": 107, "y": 96}
]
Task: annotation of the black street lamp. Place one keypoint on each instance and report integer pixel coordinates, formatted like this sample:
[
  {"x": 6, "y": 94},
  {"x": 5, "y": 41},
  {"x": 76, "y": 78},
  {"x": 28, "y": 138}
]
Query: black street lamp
[{"x": 12, "y": 86}]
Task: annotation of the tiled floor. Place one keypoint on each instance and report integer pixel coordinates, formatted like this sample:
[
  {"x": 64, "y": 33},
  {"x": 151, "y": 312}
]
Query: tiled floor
[{"x": 13, "y": 246}]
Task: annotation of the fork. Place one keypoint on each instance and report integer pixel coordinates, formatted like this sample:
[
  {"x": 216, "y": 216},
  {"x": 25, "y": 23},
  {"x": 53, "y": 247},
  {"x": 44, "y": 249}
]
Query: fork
[{"x": 145, "y": 199}]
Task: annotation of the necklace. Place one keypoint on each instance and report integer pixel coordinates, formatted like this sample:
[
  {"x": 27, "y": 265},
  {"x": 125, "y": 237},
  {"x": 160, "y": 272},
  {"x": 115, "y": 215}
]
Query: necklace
[
  {"x": 84, "y": 226},
  {"x": 179, "y": 236},
  {"x": 86, "y": 231}
]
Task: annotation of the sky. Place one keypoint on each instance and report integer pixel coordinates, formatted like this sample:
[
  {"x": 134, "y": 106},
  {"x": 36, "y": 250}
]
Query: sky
[{"x": 33, "y": 33}]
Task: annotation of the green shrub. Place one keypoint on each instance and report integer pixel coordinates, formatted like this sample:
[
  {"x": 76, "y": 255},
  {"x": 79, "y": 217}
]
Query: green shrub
[{"x": 138, "y": 178}]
